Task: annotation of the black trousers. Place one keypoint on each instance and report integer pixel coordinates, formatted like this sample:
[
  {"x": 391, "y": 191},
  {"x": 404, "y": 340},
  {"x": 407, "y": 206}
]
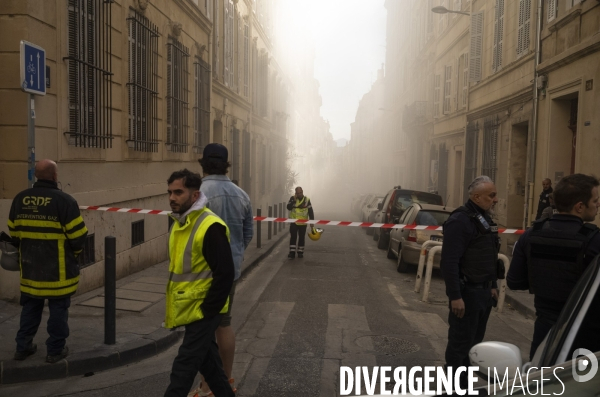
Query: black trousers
[
  {"x": 466, "y": 332},
  {"x": 540, "y": 329},
  {"x": 297, "y": 232},
  {"x": 199, "y": 353},
  {"x": 57, "y": 326}
]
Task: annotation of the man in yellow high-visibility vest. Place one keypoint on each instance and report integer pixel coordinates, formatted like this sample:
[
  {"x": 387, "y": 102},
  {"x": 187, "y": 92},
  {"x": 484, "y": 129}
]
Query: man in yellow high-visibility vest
[
  {"x": 201, "y": 274},
  {"x": 300, "y": 207}
]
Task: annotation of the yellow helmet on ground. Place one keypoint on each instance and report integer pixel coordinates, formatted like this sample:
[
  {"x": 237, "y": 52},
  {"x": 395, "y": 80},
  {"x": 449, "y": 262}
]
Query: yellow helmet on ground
[{"x": 314, "y": 234}]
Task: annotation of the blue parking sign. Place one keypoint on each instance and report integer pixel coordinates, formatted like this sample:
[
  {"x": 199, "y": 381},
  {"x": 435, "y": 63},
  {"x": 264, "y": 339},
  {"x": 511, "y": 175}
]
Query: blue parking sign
[{"x": 33, "y": 68}]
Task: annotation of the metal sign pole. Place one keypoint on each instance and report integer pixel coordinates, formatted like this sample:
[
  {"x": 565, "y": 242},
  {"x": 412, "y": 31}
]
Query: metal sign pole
[{"x": 31, "y": 142}]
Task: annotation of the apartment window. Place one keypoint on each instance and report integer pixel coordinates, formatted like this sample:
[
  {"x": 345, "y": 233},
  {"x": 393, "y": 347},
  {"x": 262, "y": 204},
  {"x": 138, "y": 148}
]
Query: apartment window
[
  {"x": 215, "y": 65},
  {"x": 137, "y": 233},
  {"x": 448, "y": 89},
  {"x": 524, "y": 27},
  {"x": 471, "y": 140},
  {"x": 89, "y": 73},
  {"x": 88, "y": 255},
  {"x": 177, "y": 96},
  {"x": 572, "y": 3},
  {"x": 142, "y": 85},
  {"x": 208, "y": 4},
  {"x": 201, "y": 104},
  {"x": 552, "y": 8},
  {"x": 476, "y": 47},
  {"x": 490, "y": 147},
  {"x": 246, "y": 59},
  {"x": 498, "y": 35},
  {"x": 228, "y": 25},
  {"x": 465, "y": 83},
  {"x": 436, "y": 94}
]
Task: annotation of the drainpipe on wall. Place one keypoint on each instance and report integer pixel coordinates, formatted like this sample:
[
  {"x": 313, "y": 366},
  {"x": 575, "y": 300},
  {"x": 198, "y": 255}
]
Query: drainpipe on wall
[{"x": 533, "y": 135}]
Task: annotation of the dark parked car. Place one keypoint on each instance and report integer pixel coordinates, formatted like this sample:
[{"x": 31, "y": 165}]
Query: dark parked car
[{"x": 396, "y": 202}]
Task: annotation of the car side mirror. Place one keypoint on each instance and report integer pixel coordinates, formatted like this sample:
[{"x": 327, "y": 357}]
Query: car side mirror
[
  {"x": 379, "y": 206},
  {"x": 499, "y": 355}
]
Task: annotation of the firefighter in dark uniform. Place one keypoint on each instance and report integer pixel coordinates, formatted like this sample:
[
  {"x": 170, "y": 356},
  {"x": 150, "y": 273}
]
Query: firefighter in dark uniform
[
  {"x": 46, "y": 225},
  {"x": 550, "y": 257},
  {"x": 469, "y": 266}
]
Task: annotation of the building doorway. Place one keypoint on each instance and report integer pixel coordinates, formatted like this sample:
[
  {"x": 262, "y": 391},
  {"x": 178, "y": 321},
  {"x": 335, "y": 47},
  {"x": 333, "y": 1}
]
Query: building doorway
[{"x": 562, "y": 153}]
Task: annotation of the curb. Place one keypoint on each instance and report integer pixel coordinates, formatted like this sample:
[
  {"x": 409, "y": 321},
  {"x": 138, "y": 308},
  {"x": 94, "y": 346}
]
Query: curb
[
  {"x": 262, "y": 256},
  {"x": 81, "y": 363},
  {"x": 520, "y": 307}
]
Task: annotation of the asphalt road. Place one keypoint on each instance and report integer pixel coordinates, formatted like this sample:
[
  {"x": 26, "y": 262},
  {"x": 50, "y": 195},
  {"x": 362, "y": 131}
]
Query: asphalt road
[{"x": 297, "y": 321}]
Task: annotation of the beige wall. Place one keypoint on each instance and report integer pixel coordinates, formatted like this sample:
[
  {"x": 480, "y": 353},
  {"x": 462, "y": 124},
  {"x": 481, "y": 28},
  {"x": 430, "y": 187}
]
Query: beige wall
[{"x": 119, "y": 176}]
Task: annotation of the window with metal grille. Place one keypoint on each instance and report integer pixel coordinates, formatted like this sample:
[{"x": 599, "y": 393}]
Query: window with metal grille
[
  {"x": 498, "y": 35},
  {"x": 137, "y": 233},
  {"x": 88, "y": 255},
  {"x": 448, "y": 89},
  {"x": 524, "y": 27},
  {"x": 471, "y": 139},
  {"x": 90, "y": 75},
  {"x": 490, "y": 148},
  {"x": 177, "y": 96},
  {"x": 201, "y": 104},
  {"x": 143, "y": 83}
]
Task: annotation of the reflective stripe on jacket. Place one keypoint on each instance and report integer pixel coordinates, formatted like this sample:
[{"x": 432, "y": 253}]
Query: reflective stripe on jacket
[
  {"x": 300, "y": 210},
  {"x": 190, "y": 276},
  {"x": 50, "y": 232}
]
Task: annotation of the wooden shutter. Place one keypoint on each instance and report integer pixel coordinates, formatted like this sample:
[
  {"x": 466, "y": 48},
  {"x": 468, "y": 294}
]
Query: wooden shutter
[
  {"x": 551, "y": 10},
  {"x": 476, "y": 46},
  {"x": 447, "y": 89},
  {"x": 498, "y": 36},
  {"x": 436, "y": 94}
]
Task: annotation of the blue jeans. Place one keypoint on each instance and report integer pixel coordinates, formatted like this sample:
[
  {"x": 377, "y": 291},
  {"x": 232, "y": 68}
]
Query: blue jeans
[
  {"x": 199, "y": 353},
  {"x": 57, "y": 326}
]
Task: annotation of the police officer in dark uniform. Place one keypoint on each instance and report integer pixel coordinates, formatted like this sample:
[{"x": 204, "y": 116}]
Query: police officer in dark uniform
[
  {"x": 47, "y": 226},
  {"x": 550, "y": 257},
  {"x": 469, "y": 266},
  {"x": 544, "y": 197}
]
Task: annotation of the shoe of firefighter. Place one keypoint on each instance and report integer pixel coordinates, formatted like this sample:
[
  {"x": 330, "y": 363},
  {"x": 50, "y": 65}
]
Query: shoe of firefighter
[
  {"x": 292, "y": 255},
  {"x": 22, "y": 355},
  {"x": 300, "y": 255},
  {"x": 57, "y": 357}
]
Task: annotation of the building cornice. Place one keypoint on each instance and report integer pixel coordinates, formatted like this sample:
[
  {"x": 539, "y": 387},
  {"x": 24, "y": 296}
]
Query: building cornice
[
  {"x": 571, "y": 55},
  {"x": 524, "y": 95},
  {"x": 194, "y": 12},
  {"x": 234, "y": 97}
]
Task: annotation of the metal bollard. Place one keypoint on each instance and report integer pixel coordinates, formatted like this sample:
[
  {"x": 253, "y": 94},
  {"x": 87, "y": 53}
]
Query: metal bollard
[
  {"x": 275, "y": 225},
  {"x": 429, "y": 270},
  {"x": 258, "y": 228},
  {"x": 422, "y": 257},
  {"x": 269, "y": 224},
  {"x": 110, "y": 290},
  {"x": 502, "y": 283}
]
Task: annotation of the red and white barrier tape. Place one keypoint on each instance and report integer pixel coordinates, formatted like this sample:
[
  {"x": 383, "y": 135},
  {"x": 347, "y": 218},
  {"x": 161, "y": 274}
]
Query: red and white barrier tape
[{"x": 288, "y": 220}]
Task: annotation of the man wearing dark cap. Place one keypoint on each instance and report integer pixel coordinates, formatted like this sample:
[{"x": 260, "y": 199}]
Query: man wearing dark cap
[{"x": 233, "y": 206}]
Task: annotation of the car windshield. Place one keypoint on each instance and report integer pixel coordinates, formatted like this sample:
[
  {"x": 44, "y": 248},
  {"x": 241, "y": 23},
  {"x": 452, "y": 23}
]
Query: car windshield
[
  {"x": 431, "y": 218},
  {"x": 403, "y": 200}
]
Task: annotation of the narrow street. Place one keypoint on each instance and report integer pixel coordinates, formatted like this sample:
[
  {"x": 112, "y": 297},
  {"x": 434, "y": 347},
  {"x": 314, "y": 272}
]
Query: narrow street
[{"x": 297, "y": 321}]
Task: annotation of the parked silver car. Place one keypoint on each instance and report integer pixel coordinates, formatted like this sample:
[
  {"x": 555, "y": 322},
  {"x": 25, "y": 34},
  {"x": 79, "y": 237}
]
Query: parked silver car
[{"x": 405, "y": 244}]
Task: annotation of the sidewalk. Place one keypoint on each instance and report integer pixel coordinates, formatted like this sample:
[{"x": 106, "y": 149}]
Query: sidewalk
[{"x": 139, "y": 334}]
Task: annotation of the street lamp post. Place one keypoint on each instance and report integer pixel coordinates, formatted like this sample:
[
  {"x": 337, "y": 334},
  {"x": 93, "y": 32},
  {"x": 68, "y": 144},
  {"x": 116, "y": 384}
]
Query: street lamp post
[{"x": 444, "y": 10}]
